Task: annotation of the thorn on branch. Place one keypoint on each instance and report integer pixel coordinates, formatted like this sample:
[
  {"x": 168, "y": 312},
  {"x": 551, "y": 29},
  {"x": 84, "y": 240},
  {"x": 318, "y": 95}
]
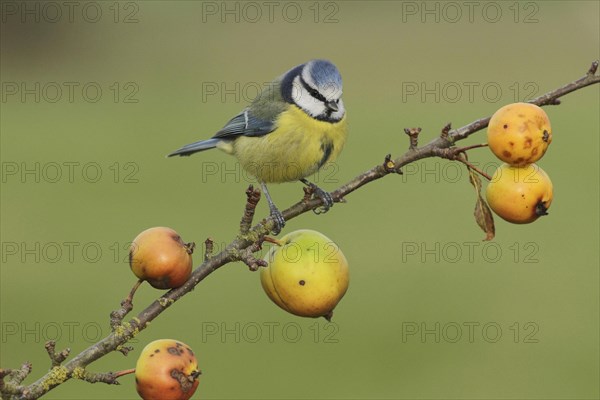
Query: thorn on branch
[
  {"x": 446, "y": 131},
  {"x": 253, "y": 197},
  {"x": 56, "y": 358},
  {"x": 413, "y": 133},
  {"x": 209, "y": 247}
]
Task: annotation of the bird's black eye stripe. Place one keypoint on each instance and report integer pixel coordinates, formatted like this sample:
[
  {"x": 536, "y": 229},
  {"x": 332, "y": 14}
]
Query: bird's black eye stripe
[{"x": 313, "y": 92}]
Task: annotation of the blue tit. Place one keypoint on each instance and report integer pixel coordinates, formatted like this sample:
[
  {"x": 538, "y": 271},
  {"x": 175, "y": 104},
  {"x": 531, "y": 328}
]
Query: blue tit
[{"x": 293, "y": 127}]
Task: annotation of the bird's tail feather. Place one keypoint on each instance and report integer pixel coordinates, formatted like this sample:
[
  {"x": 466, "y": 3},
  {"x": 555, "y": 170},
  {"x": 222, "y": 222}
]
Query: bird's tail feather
[{"x": 195, "y": 147}]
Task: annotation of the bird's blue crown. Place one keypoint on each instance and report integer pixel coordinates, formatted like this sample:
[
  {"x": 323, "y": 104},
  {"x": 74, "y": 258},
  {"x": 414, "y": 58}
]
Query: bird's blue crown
[{"x": 324, "y": 74}]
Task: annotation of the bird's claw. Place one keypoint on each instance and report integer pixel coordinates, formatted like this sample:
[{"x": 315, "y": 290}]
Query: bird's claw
[
  {"x": 321, "y": 194},
  {"x": 278, "y": 221},
  {"x": 326, "y": 198}
]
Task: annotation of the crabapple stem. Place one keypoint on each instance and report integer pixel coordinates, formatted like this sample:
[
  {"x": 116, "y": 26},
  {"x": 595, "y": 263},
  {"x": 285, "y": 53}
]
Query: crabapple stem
[
  {"x": 116, "y": 317},
  {"x": 133, "y": 290},
  {"x": 124, "y": 372},
  {"x": 273, "y": 240},
  {"x": 474, "y": 168},
  {"x": 475, "y": 146}
]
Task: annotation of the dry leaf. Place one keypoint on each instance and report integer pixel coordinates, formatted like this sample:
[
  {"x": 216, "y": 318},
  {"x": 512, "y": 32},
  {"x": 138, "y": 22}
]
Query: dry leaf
[{"x": 483, "y": 214}]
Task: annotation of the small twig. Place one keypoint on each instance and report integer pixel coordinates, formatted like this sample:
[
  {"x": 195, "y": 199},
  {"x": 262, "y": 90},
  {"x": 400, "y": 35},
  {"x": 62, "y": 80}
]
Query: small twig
[
  {"x": 550, "y": 98},
  {"x": 253, "y": 197},
  {"x": 459, "y": 154},
  {"x": 389, "y": 166},
  {"x": 116, "y": 317},
  {"x": 308, "y": 192},
  {"x": 413, "y": 133},
  {"x": 16, "y": 376},
  {"x": 8, "y": 388},
  {"x": 109, "y": 378},
  {"x": 56, "y": 358},
  {"x": 124, "y": 350},
  {"x": 593, "y": 68},
  {"x": 209, "y": 246},
  {"x": 247, "y": 256},
  {"x": 474, "y": 168},
  {"x": 446, "y": 131}
]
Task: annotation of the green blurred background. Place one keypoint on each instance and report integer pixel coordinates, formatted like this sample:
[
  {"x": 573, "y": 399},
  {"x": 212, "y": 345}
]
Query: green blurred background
[{"x": 431, "y": 312}]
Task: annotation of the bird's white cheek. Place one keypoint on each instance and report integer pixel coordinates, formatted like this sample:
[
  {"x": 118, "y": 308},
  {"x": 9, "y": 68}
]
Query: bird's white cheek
[
  {"x": 296, "y": 92},
  {"x": 300, "y": 96},
  {"x": 304, "y": 100}
]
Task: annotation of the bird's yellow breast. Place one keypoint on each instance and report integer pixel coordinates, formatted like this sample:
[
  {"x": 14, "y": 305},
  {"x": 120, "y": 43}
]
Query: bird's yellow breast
[{"x": 297, "y": 148}]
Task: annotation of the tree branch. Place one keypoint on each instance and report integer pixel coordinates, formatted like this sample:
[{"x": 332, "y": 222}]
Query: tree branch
[
  {"x": 247, "y": 242},
  {"x": 56, "y": 358}
]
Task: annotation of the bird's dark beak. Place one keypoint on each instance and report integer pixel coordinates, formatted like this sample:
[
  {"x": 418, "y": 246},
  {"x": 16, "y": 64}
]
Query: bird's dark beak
[{"x": 332, "y": 105}]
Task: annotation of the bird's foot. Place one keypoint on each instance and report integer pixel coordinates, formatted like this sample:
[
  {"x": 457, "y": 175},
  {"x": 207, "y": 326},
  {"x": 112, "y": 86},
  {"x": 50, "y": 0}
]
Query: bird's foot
[
  {"x": 319, "y": 193},
  {"x": 278, "y": 220}
]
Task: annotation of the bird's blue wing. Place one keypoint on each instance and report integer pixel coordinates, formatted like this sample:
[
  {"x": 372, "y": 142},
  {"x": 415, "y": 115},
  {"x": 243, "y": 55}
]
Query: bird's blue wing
[{"x": 245, "y": 124}]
